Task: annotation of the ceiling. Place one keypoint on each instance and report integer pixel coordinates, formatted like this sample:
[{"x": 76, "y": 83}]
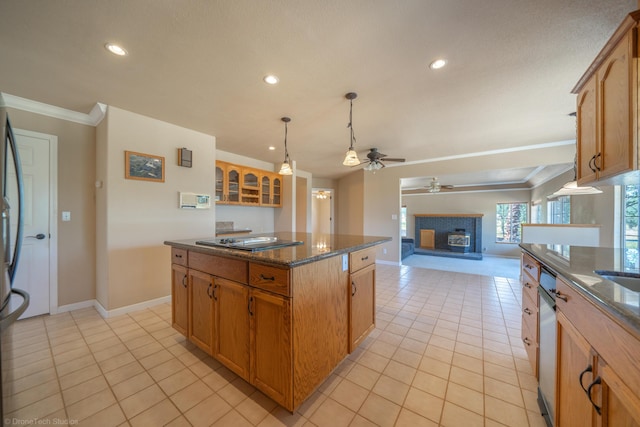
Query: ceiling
[{"x": 199, "y": 64}]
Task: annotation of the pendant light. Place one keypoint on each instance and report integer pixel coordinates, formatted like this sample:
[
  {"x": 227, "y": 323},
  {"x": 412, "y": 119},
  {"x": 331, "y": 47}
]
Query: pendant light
[
  {"x": 285, "y": 169},
  {"x": 351, "y": 159}
]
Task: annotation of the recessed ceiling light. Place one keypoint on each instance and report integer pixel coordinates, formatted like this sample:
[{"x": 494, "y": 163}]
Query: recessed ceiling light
[
  {"x": 115, "y": 49},
  {"x": 437, "y": 64},
  {"x": 271, "y": 79},
  {"x": 271, "y": 147}
]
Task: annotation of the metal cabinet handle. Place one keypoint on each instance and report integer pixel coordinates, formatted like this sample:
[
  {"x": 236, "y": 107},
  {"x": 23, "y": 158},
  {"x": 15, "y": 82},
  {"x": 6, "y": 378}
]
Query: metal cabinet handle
[
  {"x": 589, "y": 368},
  {"x": 263, "y": 277},
  {"x": 528, "y": 266},
  {"x": 526, "y": 341},
  {"x": 527, "y": 285},
  {"x": 560, "y": 296},
  {"x": 595, "y": 161},
  {"x": 214, "y": 292},
  {"x": 353, "y": 288},
  {"x": 249, "y": 306},
  {"x": 184, "y": 281},
  {"x": 209, "y": 291},
  {"x": 527, "y": 311},
  {"x": 594, "y": 383},
  {"x": 591, "y": 162}
]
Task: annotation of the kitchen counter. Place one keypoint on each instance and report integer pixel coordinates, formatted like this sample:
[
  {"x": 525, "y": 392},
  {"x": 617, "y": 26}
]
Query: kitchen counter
[
  {"x": 314, "y": 248},
  {"x": 577, "y": 265}
]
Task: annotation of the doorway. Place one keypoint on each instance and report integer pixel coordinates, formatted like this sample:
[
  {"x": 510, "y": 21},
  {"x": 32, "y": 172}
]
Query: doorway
[
  {"x": 37, "y": 268},
  {"x": 322, "y": 210}
]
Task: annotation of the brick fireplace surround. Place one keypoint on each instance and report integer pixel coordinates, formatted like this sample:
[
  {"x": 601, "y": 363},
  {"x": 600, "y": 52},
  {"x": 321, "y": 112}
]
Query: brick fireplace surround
[{"x": 443, "y": 224}]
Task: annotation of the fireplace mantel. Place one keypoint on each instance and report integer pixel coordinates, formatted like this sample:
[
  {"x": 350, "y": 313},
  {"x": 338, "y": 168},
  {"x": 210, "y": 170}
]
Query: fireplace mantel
[{"x": 452, "y": 215}]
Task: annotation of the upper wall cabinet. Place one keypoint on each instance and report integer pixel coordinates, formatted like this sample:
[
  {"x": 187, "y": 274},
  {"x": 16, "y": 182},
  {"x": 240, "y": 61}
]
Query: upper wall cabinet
[
  {"x": 239, "y": 185},
  {"x": 607, "y": 109}
]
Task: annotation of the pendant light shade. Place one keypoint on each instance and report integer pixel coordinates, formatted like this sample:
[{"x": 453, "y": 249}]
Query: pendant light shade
[
  {"x": 351, "y": 158},
  {"x": 285, "y": 169}
]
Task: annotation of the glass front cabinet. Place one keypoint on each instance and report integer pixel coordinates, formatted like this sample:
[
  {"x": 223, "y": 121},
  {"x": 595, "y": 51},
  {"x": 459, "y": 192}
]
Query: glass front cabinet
[{"x": 247, "y": 186}]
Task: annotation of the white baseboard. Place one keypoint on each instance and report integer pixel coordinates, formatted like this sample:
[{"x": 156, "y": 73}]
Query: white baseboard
[
  {"x": 380, "y": 261},
  {"x": 115, "y": 312}
]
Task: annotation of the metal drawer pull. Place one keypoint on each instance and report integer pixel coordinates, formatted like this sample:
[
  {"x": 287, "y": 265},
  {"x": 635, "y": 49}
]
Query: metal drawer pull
[
  {"x": 527, "y": 285},
  {"x": 526, "y": 341},
  {"x": 528, "y": 266},
  {"x": 365, "y": 258},
  {"x": 178, "y": 256},
  {"x": 526, "y": 310},
  {"x": 595, "y": 382},
  {"x": 587, "y": 369},
  {"x": 209, "y": 290},
  {"x": 263, "y": 277},
  {"x": 184, "y": 281},
  {"x": 560, "y": 296}
]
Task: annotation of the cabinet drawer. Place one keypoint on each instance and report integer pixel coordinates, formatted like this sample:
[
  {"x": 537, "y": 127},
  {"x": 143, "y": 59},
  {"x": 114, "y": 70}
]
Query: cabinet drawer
[
  {"x": 362, "y": 258},
  {"x": 530, "y": 287},
  {"x": 530, "y": 315},
  {"x": 227, "y": 268},
  {"x": 531, "y": 266},
  {"x": 531, "y": 348},
  {"x": 179, "y": 256},
  {"x": 270, "y": 278}
]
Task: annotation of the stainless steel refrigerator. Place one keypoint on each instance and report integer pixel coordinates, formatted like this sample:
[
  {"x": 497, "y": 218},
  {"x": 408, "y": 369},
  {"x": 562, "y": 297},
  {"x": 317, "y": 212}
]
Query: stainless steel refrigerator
[{"x": 12, "y": 223}]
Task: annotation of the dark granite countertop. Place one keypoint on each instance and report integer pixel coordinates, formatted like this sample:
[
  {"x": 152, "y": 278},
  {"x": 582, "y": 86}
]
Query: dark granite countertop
[
  {"x": 315, "y": 247},
  {"x": 577, "y": 265}
]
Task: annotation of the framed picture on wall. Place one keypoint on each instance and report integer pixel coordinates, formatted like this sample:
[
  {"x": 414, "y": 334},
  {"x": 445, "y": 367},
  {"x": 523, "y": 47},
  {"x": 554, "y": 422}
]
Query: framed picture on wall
[{"x": 145, "y": 167}]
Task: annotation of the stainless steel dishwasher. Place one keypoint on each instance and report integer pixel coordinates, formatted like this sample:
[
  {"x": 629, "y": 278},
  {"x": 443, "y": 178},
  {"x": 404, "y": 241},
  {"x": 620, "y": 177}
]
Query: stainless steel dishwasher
[{"x": 547, "y": 343}]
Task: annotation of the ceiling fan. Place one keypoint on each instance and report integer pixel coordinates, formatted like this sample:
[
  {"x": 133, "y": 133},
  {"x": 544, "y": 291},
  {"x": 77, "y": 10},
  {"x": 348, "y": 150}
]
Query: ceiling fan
[
  {"x": 435, "y": 186},
  {"x": 374, "y": 159}
]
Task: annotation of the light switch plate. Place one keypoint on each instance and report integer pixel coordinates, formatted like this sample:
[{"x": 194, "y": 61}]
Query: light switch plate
[{"x": 66, "y": 216}]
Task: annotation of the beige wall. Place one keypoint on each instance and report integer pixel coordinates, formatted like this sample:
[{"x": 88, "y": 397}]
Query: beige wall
[
  {"x": 76, "y": 193},
  {"x": 141, "y": 215},
  {"x": 350, "y": 204}
]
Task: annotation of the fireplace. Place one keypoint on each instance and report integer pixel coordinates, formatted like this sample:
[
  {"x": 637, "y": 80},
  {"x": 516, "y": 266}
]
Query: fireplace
[{"x": 459, "y": 240}]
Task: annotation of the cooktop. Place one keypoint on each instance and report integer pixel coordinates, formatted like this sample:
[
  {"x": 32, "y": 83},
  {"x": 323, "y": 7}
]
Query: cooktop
[{"x": 253, "y": 244}]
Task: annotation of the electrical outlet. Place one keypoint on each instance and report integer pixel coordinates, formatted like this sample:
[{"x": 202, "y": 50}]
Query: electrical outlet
[{"x": 345, "y": 262}]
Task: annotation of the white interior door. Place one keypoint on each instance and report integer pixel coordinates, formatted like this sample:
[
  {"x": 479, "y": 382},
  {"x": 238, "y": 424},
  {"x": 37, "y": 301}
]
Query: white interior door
[{"x": 33, "y": 272}]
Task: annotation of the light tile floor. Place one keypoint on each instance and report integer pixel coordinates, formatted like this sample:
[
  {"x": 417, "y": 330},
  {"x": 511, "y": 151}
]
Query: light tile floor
[{"x": 446, "y": 351}]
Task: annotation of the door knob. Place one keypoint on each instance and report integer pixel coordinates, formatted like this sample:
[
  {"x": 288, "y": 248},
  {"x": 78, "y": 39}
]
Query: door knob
[{"x": 38, "y": 236}]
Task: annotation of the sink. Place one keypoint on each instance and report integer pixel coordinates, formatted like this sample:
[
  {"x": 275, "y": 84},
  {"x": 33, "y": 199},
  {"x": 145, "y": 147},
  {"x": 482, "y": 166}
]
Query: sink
[{"x": 630, "y": 281}]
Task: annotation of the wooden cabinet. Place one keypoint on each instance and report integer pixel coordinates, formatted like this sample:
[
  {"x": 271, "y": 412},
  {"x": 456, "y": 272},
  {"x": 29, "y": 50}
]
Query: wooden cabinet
[
  {"x": 530, "y": 277},
  {"x": 271, "y": 345},
  {"x": 227, "y": 183},
  {"x": 180, "y": 299},
  {"x": 598, "y": 377},
  {"x": 607, "y": 109},
  {"x": 231, "y": 343},
  {"x": 201, "y": 306},
  {"x": 271, "y": 189},
  {"x": 237, "y": 184},
  {"x": 283, "y": 329},
  {"x": 361, "y": 295},
  {"x": 250, "y": 189}
]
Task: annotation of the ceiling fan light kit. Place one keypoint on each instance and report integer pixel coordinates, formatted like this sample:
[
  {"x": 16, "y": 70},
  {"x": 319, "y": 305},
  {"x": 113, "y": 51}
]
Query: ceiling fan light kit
[
  {"x": 285, "y": 169},
  {"x": 351, "y": 158}
]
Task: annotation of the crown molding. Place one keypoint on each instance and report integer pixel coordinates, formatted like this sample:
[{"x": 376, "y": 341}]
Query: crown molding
[{"x": 94, "y": 117}]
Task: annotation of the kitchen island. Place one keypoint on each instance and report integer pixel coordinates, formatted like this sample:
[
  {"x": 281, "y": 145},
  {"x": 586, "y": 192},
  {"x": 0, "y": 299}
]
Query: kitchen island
[
  {"x": 597, "y": 323},
  {"x": 282, "y": 319}
]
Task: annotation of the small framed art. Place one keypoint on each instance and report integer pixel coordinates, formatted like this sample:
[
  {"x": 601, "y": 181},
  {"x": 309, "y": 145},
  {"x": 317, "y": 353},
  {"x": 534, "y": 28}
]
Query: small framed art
[{"x": 145, "y": 167}]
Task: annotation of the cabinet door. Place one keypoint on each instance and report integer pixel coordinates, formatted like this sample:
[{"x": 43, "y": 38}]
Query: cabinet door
[
  {"x": 231, "y": 337},
  {"x": 250, "y": 187},
  {"x": 221, "y": 192},
  {"x": 201, "y": 304},
  {"x": 361, "y": 305},
  {"x": 271, "y": 346},
  {"x": 232, "y": 184},
  {"x": 615, "y": 106},
  {"x": 620, "y": 406},
  {"x": 575, "y": 370},
  {"x": 265, "y": 190},
  {"x": 276, "y": 190},
  {"x": 179, "y": 299},
  {"x": 587, "y": 146}
]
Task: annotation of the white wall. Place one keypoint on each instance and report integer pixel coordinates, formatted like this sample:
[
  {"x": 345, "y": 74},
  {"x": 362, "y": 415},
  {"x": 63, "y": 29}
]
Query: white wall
[{"x": 138, "y": 216}]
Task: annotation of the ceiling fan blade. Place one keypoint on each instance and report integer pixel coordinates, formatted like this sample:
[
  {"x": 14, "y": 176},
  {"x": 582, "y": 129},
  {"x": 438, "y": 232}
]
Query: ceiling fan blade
[{"x": 394, "y": 160}]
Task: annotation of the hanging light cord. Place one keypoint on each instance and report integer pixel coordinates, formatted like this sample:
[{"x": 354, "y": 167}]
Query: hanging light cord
[{"x": 350, "y": 125}]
